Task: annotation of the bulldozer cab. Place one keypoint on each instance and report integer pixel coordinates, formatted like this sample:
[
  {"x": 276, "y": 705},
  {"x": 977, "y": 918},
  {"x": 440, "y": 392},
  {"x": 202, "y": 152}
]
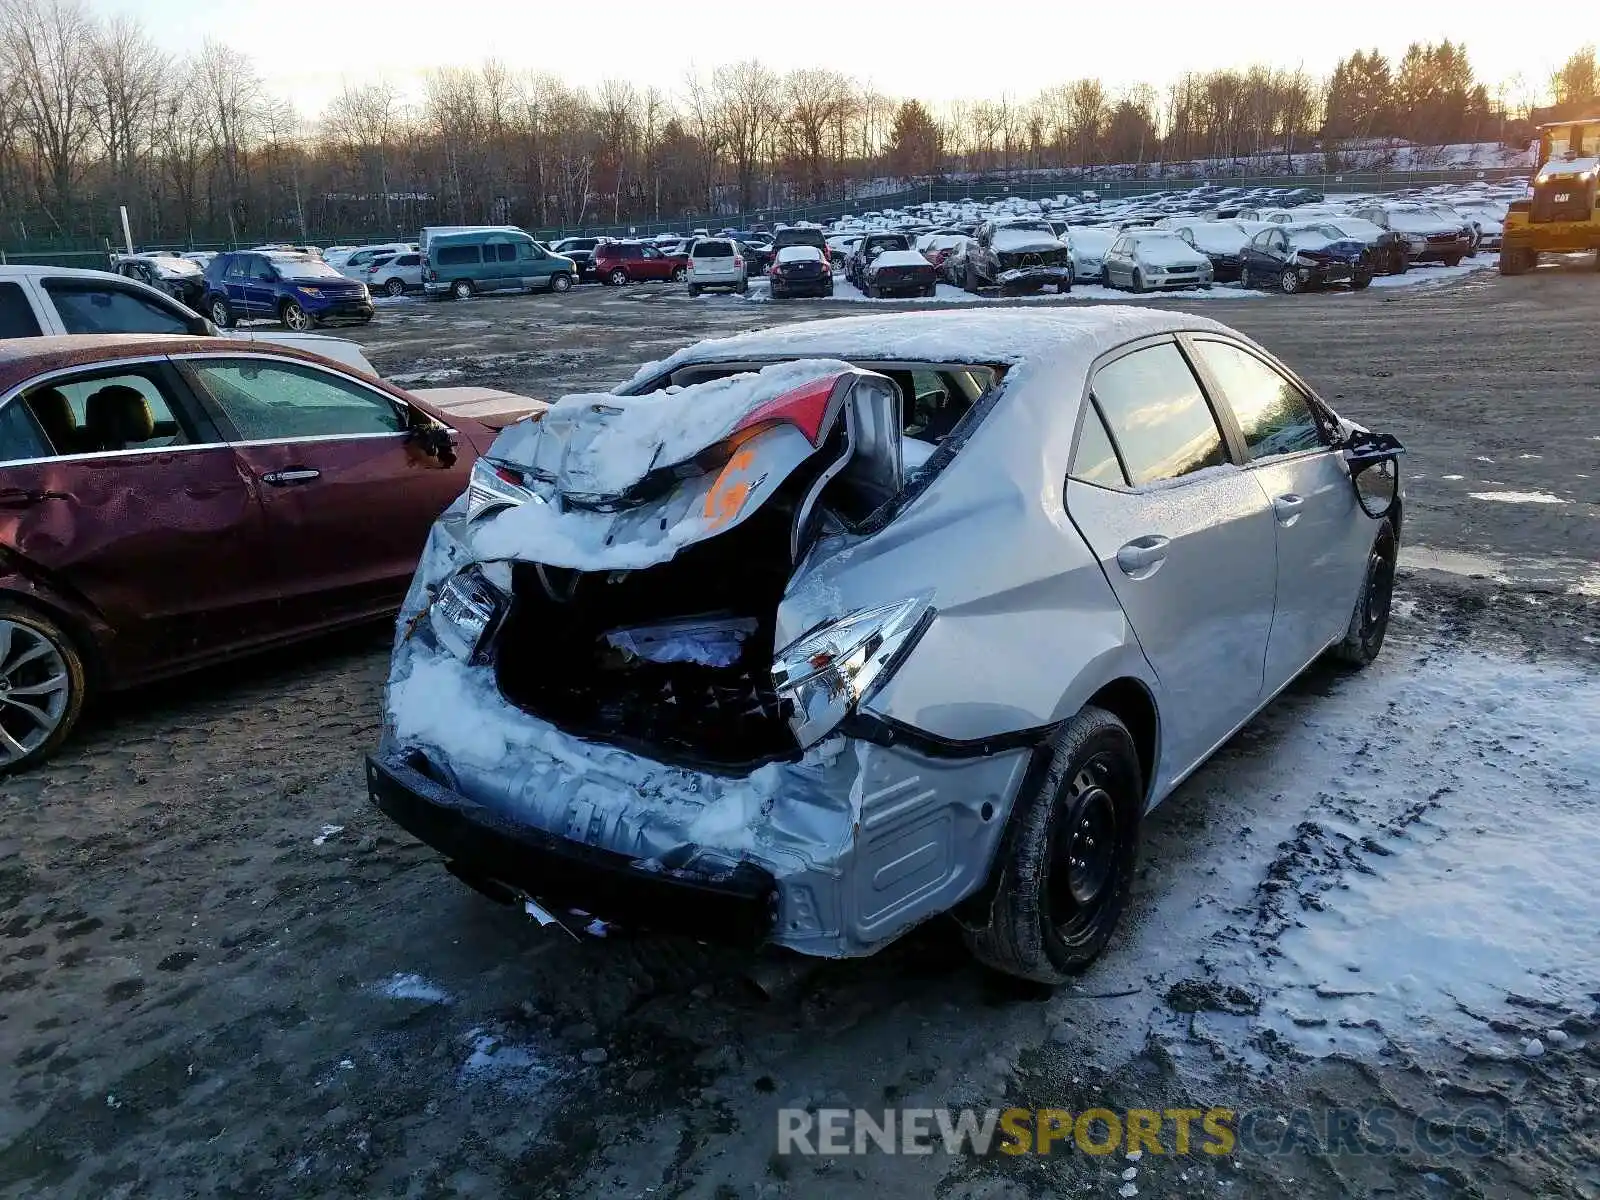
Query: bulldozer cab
[
  {"x": 1569, "y": 141},
  {"x": 1562, "y": 214}
]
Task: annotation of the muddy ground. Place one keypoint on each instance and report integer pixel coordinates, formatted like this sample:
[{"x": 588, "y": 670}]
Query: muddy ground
[{"x": 222, "y": 973}]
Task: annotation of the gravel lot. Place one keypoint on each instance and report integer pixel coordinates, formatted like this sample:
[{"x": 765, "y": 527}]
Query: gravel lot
[{"x": 222, "y": 974}]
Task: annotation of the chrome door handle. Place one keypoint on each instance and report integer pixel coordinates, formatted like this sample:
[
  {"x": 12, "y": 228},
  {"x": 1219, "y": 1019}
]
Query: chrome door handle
[
  {"x": 1140, "y": 557},
  {"x": 291, "y": 475},
  {"x": 1287, "y": 508}
]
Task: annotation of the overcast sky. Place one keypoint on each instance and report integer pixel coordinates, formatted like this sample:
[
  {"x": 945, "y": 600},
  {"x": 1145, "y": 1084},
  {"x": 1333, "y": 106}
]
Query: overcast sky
[{"x": 926, "y": 48}]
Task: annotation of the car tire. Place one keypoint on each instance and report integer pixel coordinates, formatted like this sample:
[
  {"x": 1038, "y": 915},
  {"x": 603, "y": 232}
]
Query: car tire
[
  {"x": 970, "y": 284},
  {"x": 829, "y": 292},
  {"x": 463, "y": 289},
  {"x": 617, "y": 278},
  {"x": 222, "y": 313},
  {"x": 36, "y": 733},
  {"x": 560, "y": 282},
  {"x": 1244, "y": 278},
  {"x": 1452, "y": 260},
  {"x": 694, "y": 289},
  {"x": 679, "y": 274},
  {"x": 1105, "y": 277},
  {"x": 1403, "y": 264},
  {"x": 395, "y": 287},
  {"x": 744, "y": 286},
  {"x": 1370, "y": 621},
  {"x": 930, "y": 290},
  {"x": 1361, "y": 280},
  {"x": 1065, "y": 867},
  {"x": 295, "y": 318},
  {"x": 1289, "y": 281},
  {"x": 1137, "y": 285}
]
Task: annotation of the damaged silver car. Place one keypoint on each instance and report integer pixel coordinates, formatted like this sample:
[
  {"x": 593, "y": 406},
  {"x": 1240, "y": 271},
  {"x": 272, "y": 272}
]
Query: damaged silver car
[{"x": 807, "y": 635}]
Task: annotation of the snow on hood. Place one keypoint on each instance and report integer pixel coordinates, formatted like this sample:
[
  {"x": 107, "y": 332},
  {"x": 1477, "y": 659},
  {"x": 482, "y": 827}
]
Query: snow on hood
[
  {"x": 1407, "y": 220},
  {"x": 993, "y": 336},
  {"x": 791, "y": 254},
  {"x": 1167, "y": 250},
  {"x": 1017, "y": 241},
  {"x": 175, "y": 268},
  {"x": 899, "y": 258},
  {"x": 601, "y": 444}
]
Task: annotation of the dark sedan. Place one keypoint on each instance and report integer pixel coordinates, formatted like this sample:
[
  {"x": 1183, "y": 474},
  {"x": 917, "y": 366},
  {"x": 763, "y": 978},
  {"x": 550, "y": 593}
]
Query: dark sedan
[
  {"x": 1293, "y": 258},
  {"x": 170, "y": 502}
]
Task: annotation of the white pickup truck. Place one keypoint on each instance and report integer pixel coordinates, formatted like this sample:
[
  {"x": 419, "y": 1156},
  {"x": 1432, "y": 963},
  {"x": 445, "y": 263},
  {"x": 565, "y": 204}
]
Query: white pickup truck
[{"x": 47, "y": 301}]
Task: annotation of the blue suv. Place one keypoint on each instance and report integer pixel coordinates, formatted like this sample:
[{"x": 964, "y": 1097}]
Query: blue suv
[{"x": 296, "y": 288}]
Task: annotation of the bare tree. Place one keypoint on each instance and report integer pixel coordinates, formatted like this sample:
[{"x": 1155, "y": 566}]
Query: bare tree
[{"x": 46, "y": 46}]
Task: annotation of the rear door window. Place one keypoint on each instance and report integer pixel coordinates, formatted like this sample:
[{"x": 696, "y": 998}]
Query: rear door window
[
  {"x": 1095, "y": 460},
  {"x": 276, "y": 401},
  {"x": 1158, "y": 415},
  {"x": 107, "y": 412},
  {"x": 88, "y": 307},
  {"x": 20, "y": 436},
  {"x": 16, "y": 314},
  {"x": 713, "y": 250}
]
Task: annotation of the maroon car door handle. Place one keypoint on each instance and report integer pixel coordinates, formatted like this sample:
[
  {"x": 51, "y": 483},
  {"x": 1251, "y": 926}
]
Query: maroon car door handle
[
  {"x": 27, "y": 498},
  {"x": 291, "y": 475}
]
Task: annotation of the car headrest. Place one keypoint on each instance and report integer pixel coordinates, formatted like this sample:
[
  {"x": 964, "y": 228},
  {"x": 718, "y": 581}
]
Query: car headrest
[
  {"x": 54, "y": 412},
  {"x": 117, "y": 415}
]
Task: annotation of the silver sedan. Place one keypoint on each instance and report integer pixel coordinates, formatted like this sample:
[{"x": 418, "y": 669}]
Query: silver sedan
[{"x": 809, "y": 634}]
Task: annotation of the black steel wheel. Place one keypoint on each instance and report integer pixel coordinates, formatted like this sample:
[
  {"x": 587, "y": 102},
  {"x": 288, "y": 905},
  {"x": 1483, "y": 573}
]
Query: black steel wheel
[{"x": 1065, "y": 870}]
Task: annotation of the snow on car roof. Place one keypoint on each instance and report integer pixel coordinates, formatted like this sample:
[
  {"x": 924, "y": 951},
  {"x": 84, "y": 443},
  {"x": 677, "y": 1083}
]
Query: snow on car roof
[{"x": 1062, "y": 336}]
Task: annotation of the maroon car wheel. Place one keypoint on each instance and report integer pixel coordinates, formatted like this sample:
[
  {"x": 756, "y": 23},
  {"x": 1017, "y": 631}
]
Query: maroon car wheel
[{"x": 41, "y": 686}]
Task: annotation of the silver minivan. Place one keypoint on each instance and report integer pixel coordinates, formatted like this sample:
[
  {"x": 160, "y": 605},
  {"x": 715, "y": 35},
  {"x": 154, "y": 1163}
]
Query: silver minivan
[{"x": 716, "y": 263}]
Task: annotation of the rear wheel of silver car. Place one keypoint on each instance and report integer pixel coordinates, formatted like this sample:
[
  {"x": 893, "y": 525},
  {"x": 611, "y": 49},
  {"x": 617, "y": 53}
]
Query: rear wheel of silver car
[
  {"x": 296, "y": 318},
  {"x": 462, "y": 289},
  {"x": 221, "y": 315},
  {"x": 1370, "y": 621},
  {"x": 1289, "y": 281},
  {"x": 395, "y": 287},
  {"x": 42, "y": 685},
  {"x": 1066, "y": 865}
]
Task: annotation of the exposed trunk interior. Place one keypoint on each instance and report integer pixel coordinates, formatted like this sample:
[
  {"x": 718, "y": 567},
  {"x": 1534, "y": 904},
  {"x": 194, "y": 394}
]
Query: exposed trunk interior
[{"x": 554, "y": 659}]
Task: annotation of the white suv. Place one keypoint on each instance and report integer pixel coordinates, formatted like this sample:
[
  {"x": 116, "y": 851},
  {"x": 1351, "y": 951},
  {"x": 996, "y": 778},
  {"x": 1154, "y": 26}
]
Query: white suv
[{"x": 716, "y": 263}]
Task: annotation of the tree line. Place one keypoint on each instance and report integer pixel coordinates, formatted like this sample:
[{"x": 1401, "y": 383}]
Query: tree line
[{"x": 94, "y": 114}]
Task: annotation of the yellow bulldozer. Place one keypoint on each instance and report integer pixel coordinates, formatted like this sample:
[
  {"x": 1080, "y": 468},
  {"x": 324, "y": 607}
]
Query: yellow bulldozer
[{"x": 1563, "y": 215}]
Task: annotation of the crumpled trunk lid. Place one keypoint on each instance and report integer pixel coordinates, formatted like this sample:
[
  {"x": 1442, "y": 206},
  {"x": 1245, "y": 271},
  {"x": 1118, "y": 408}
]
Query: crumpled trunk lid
[{"x": 626, "y": 482}]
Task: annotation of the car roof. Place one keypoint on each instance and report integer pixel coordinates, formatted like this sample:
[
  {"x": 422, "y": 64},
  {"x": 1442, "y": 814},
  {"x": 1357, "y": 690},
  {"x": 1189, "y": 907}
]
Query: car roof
[
  {"x": 23, "y": 358},
  {"x": 1065, "y": 337}
]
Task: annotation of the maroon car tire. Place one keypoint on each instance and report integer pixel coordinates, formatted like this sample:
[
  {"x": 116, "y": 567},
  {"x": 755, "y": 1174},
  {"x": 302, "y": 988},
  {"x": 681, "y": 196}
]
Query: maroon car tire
[{"x": 34, "y": 652}]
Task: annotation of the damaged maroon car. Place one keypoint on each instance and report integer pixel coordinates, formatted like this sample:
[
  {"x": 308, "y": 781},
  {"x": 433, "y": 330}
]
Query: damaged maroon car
[{"x": 166, "y": 503}]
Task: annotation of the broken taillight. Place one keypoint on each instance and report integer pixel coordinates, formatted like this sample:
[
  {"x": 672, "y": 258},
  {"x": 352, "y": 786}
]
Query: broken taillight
[{"x": 806, "y": 408}]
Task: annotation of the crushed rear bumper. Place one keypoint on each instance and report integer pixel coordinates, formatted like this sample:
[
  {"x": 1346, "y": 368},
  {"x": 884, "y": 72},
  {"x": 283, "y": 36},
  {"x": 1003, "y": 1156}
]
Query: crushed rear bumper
[{"x": 502, "y": 857}]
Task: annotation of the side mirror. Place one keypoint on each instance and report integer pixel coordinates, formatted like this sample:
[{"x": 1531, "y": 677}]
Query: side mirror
[
  {"x": 432, "y": 439},
  {"x": 1373, "y": 460}
]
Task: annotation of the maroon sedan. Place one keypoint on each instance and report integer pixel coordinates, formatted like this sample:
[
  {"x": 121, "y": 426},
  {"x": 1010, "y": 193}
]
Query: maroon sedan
[{"x": 168, "y": 502}]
